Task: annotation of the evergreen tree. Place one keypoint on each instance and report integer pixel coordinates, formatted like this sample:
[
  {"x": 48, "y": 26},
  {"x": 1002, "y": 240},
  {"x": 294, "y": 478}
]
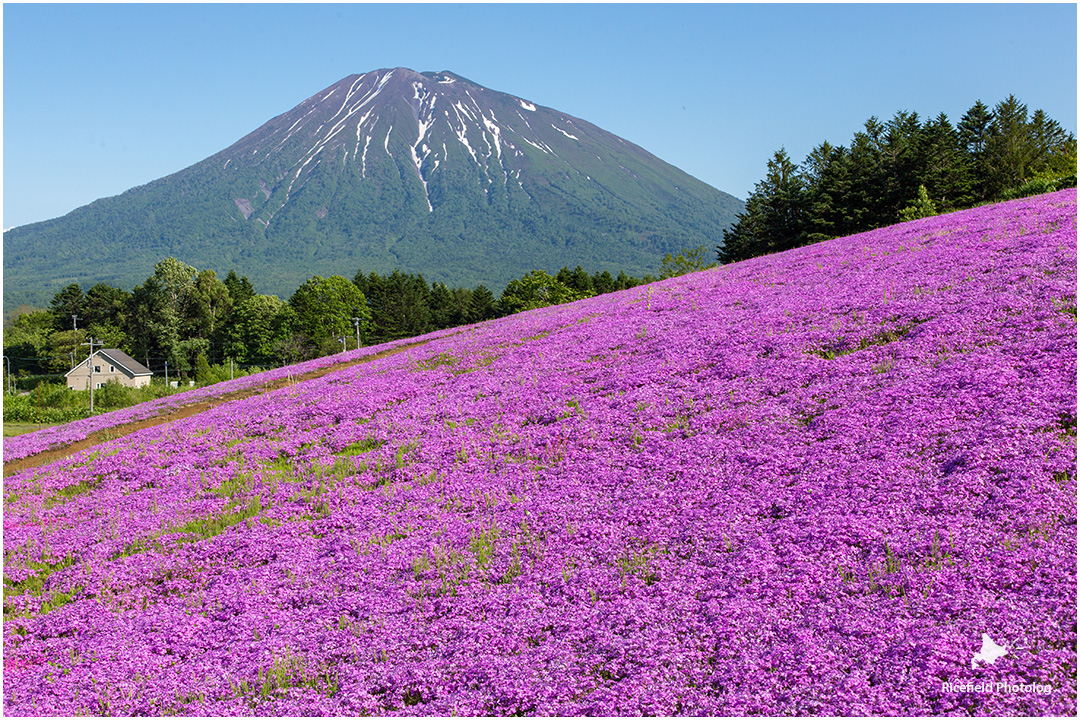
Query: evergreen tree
[
  {"x": 481, "y": 304},
  {"x": 1055, "y": 149},
  {"x": 973, "y": 132},
  {"x": 64, "y": 349},
  {"x": 774, "y": 217},
  {"x": 903, "y": 161},
  {"x": 460, "y": 306},
  {"x": 400, "y": 305},
  {"x": 1011, "y": 148},
  {"x": 602, "y": 282},
  {"x": 106, "y": 305},
  {"x": 204, "y": 374},
  {"x": 67, "y": 302},
  {"x": 866, "y": 202},
  {"x": 240, "y": 288},
  {"x": 577, "y": 280},
  {"x": 946, "y": 173},
  {"x": 827, "y": 170},
  {"x": 625, "y": 282},
  {"x": 440, "y": 304}
]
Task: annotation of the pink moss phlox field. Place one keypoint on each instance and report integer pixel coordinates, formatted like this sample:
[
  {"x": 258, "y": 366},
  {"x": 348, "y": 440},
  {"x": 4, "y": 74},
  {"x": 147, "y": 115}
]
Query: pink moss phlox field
[
  {"x": 803, "y": 484},
  {"x": 20, "y": 446}
]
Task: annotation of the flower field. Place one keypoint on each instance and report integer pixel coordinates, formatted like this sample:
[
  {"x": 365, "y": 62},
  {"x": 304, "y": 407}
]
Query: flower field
[
  {"x": 807, "y": 483},
  {"x": 60, "y": 435}
]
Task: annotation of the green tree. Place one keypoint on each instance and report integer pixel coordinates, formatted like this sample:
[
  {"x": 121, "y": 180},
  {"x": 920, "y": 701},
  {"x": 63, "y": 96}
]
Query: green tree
[
  {"x": 946, "y": 173},
  {"x": 903, "y": 161},
  {"x": 106, "y": 305},
  {"x": 240, "y": 288},
  {"x": 400, "y": 304},
  {"x": 67, "y": 302},
  {"x": 827, "y": 170},
  {"x": 65, "y": 349},
  {"x": 685, "y": 261},
  {"x": 160, "y": 311},
  {"x": 481, "y": 304},
  {"x": 1055, "y": 149},
  {"x": 440, "y": 306},
  {"x": 774, "y": 217},
  {"x": 535, "y": 290},
  {"x": 209, "y": 308},
  {"x": 289, "y": 344},
  {"x": 625, "y": 282},
  {"x": 577, "y": 280},
  {"x": 1011, "y": 147},
  {"x": 973, "y": 132},
  {"x": 602, "y": 282},
  {"x": 865, "y": 205},
  {"x": 26, "y": 342},
  {"x": 204, "y": 375},
  {"x": 920, "y": 207},
  {"x": 325, "y": 307},
  {"x": 254, "y": 328}
]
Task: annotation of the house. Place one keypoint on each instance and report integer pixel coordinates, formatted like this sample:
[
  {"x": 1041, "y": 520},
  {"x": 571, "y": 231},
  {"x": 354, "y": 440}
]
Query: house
[{"x": 109, "y": 365}]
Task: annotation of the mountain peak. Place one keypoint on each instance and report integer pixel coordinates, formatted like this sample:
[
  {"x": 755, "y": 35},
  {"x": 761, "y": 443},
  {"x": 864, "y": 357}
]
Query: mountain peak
[{"x": 428, "y": 172}]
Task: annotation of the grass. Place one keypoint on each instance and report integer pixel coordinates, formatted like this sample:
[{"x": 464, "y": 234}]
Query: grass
[{"x": 11, "y": 429}]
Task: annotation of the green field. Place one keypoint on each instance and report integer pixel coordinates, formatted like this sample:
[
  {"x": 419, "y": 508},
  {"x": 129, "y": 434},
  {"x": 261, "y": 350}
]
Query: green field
[{"x": 16, "y": 428}]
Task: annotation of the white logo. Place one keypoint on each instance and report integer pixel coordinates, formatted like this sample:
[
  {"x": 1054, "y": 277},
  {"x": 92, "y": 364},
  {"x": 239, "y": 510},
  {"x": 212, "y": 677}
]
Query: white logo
[{"x": 989, "y": 652}]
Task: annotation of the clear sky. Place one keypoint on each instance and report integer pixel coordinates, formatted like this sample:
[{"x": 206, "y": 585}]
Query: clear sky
[{"x": 101, "y": 98}]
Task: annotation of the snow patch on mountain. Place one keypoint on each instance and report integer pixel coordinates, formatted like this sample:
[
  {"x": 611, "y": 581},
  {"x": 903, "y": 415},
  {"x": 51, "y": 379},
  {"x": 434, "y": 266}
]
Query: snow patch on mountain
[
  {"x": 572, "y": 137},
  {"x": 527, "y": 105},
  {"x": 494, "y": 130}
]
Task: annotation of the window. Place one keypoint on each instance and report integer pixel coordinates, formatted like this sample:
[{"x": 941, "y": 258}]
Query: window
[
  {"x": 112, "y": 369},
  {"x": 97, "y": 368}
]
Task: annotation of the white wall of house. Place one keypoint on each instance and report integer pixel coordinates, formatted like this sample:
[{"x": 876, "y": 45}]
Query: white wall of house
[{"x": 104, "y": 371}]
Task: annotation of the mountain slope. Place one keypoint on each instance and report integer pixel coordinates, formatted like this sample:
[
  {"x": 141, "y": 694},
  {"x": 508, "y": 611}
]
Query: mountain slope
[{"x": 427, "y": 172}]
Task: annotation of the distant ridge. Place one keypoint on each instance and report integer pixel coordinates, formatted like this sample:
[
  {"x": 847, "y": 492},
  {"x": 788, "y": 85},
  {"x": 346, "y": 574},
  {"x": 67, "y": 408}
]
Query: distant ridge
[{"x": 427, "y": 172}]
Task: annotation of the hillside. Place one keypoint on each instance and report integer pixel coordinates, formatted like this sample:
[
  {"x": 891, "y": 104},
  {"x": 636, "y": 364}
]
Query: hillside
[
  {"x": 426, "y": 172},
  {"x": 812, "y": 483}
]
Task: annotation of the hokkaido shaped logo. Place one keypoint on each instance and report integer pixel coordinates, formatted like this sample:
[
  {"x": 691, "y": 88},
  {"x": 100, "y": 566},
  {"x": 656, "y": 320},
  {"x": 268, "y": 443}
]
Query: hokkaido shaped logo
[{"x": 989, "y": 652}]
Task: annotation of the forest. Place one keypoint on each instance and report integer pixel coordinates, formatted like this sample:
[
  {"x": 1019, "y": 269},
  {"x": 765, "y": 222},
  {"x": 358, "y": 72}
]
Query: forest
[
  {"x": 199, "y": 328},
  {"x": 900, "y": 170}
]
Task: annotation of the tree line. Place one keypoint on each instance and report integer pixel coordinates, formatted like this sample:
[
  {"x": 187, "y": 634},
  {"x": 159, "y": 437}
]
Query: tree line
[
  {"x": 901, "y": 170},
  {"x": 191, "y": 319}
]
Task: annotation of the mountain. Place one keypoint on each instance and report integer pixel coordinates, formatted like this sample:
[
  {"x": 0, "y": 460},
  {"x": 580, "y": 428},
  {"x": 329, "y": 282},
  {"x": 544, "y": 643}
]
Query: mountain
[{"x": 427, "y": 172}]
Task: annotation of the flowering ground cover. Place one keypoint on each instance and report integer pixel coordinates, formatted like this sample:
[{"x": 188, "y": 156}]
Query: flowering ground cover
[
  {"x": 809, "y": 483},
  {"x": 68, "y": 433}
]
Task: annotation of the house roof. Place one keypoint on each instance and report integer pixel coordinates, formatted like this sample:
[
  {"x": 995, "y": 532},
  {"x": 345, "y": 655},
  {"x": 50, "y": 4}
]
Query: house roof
[{"x": 120, "y": 359}]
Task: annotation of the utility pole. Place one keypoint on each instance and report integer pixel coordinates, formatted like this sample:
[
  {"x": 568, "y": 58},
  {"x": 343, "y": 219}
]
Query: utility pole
[
  {"x": 74, "y": 328},
  {"x": 11, "y": 391},
  {"x": 166, "y": 376},
  {"x": 90, "y": 370},
  {"x": 356, "y": 322}
]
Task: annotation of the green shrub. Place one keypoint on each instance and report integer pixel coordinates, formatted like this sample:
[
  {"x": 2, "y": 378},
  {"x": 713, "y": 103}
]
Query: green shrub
[{"x": 1040, "y": 184}]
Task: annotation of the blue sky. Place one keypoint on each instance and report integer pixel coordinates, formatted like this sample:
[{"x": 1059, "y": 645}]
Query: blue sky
[{"x": 101, "y": 98}]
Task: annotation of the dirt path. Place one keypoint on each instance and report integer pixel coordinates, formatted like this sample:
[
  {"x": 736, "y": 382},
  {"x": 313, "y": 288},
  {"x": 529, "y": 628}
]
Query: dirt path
[{"x": 53, "y": 454}]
